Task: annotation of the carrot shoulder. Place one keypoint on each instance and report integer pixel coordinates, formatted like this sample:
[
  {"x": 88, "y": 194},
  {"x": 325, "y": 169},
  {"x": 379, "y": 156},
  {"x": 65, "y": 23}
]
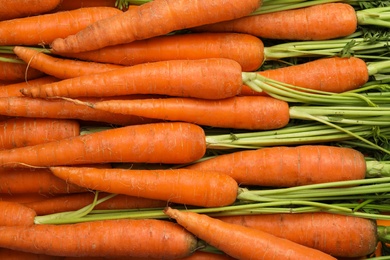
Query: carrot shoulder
[
  {"x": 190, "y": 187},
  {"x": 317, "y": 22},
  {"x": 43, "y": 29},
  {"x": 349, "y": 237},
  {"x": 150, "y": 143},
  {"x": 16, "y": 214},
  {"x": 152, "y": 19},
  {"x": 300, "y": 165},
  {"x": 109, "y": 238},
  {"x": 250, "y": 112},
  {"x": 59, "y": 67},
  {"x": 242, "y": 242},
  {"x": 205, "y": 78}
]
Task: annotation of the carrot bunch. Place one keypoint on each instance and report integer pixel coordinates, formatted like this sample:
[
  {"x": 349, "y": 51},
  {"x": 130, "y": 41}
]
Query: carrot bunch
[{"x": 186, "y": 131}]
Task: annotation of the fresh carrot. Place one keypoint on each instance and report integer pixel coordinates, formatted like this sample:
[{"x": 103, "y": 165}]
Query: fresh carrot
[
  {"x": 334, "y": 74},
  {"x": 16, "y": 214},
  {"x": 67, "y": 5},
  {"x": 38, "y": 181},
  {"x": 149, "y": 238},
  {"x": 63, "y": 109},
  {"x": 317, "y": 22},
  {"x": 13, "y": 69},
  {"x": 149, "y": 143},
  {"x": 70, "y": 202},
  {"x": 242, "y": 242},
  {"x": 43, "y": 29},
  {"x": 23, "y": 197},
  {"x": 246, "y": 49},
  {"x": 152, "y": 19},
  {"x": 59, "y": 67},
  {"x": 20, "y": 132},
  {"x": 198, "y": 188},
  {"x": 204, "y": 78},
  {"x": 13, "y": 89},
  {"x": 250, "y": 112},
  {"x": 299, "y": 165},
  {"x": 337, "y": 235},
  {"x": 197, "y": 255},
  {"x": 9, "y": 254},
  {"x": 22, "y": 8}
]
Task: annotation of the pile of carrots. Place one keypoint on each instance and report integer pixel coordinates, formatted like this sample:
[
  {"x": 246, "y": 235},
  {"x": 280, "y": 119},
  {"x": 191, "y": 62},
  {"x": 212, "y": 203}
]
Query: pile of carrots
[{"x": 157, "y": 129}]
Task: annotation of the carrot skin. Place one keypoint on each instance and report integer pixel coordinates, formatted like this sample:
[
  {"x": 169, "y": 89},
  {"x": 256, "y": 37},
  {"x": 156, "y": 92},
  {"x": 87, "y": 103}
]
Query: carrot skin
[
  {"x": 59, "y": 67},
  {"x": 20, "y": 132},
  {"x": 205, "y": 78},
  {"x": 242, "y": 242},
  {"x": 67, "y": 5},
  {"x": 9, "y": 254},
  {"x": 181, "y": 47},
  {"x": 16, "y": 214},
  {"x": 300, "y": 165},
  {"x": 35, "y": 181},
  {"x": 333, "y": 74},
  {"x": 171, "y": 143},
  {"x": 13, "y": 89},
  {"x": 23, "y": 8},
  {"x": 29, "y": 30},
  {"x": 317, "y": 22},
  {"x": 110, "y": 238},
  {"x": 348, "y": 237},
  {"x": 152, "y": 19},
  {"x": 246, "y": 112},
  {"x": 17, "y": 72},
  {"x": 63, "y": 109},
  {"x": 24, "y": 197},
  {"x": 73, "y": 202},
  {"x": 178, "y": 186}
]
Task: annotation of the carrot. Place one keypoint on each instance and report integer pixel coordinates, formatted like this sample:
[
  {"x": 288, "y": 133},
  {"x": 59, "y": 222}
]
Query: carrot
[
  {"x": 205, "y": 78},
  {"x": 20, "y": 132},
  {"x": 149, "y": 238},
  {"x": 174, "y": 185},
  {"x": 13, "y": 89},
  {"x": 16, "y": 214},
  {"x": 334, "y": 74},
  {"x": 25, "y": 197},
  {"x": 67, "y": 5},
  {"x": 349, "y": 236},
  {"x": 150, "y": 143},
  {"x": 242, "y": 242},
  {"x": 9, "y": 254},
  {"x": 23, "y": 8},
  {"x": 62, "y": 109},
  {"x": 317, "y": 22},
  {"x": 251, "y": 112},
  {"x": 38, "y": 181},
  {"x": 72, "y": 202},
  {"x": 152, "y": 19},
  {"x": 43, "y": 29},
  {"x": 14, "y": 70},
  {"x": 246, "y": 49},
  {"x": 59, "y": 67},
  {"x": 300, "y": 165}
]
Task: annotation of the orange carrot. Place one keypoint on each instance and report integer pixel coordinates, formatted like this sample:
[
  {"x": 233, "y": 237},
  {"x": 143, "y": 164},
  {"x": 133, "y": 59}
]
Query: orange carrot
[
  {"x": 300, "y": 165},
  {"x": 13, "y": 90},
  {"x": 19, "y": 132},
  {"x": 43, "y": 29},
  {"x": 333, "y": 74},
  {"x": 251, "y": 112},
  {"x": 24, "y": 197},
  {"x": 206, "y": 189},
  {"x": 23, "y": 8},
  {"x": 150, "y": 143},
  {"x": 62, "y": 109},
  {"x": 147, "y": 238},
  {"x": 76, "y": 201},
  {"x": 38, "y": 181},
  {"x": 317, "y": 22},
  {"x": 246, "y": 49},
  {"x": 337, "y": 235},
  {"x": 59, "y": 67},
  {"x": 9, "y": 254},
  {"x": 205, "y": 78},
  {"x": 242, "y": 242},
  {"x": 67, "y": 5},
  {"x": 155, "y": 18},
  {"x": 16, "y": 214},
  {"x": 15, "y": 70}
]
